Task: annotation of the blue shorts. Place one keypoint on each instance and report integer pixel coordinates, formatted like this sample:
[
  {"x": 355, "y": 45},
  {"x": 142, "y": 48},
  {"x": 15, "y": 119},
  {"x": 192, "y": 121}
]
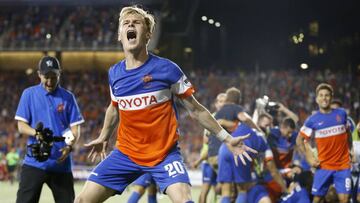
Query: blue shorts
[
  {"x": 228, "y": 172},
  {"x": 208, "y": 173},
  {"x": 324, "y": 178},
  {"x": 256, "y": 193},
  {"x": 144, "y": 180},
  {"x": 117, "y": 171}
]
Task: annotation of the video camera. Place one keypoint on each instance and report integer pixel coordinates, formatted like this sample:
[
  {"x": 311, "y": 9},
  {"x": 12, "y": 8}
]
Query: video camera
[
  {"x": 41, "y": 149},
  {"x": 267, "y": 105}
]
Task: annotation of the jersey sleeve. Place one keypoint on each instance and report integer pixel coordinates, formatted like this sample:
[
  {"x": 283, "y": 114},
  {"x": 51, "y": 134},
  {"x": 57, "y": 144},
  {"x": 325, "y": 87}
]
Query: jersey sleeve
[
  {"x": 180, "y": 85},
  {"x": 23, "y": 110},
  {"x": 306, "y": 130},
  {"x": 239, "y": 109},
  {"x": 74, "y": 112},
  {"x": 113, "y": 98},
  {"x": 349, "y": 124}
]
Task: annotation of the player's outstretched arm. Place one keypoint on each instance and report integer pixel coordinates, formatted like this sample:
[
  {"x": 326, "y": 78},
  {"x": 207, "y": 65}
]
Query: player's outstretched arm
[
  {"x": 305, "y": 149},
  {"x": 98, "y": 146},
  {"x": 244, "y": 117},
  {"x": 204, "y": 117},
  {"x": 270, "y": 165},
  {"x": 288, "y": 112}
]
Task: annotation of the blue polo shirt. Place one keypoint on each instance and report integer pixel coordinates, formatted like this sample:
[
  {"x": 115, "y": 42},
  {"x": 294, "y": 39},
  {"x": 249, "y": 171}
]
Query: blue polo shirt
[{"x": 58, "y": 111}]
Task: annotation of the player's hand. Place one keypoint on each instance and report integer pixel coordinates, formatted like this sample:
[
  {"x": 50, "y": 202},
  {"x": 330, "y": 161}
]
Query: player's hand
[
  {"x": 281, "y": 106},
  {"x": 314, "y": 162},
  {"x": 65, "y": 151},
  {"x": 98, "y": 148},
  {"x": 238, "y": 148}
]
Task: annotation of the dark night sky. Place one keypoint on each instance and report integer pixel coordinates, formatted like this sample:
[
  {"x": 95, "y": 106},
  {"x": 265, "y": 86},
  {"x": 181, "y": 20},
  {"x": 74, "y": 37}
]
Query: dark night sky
[{"x": 260, "y": 31}]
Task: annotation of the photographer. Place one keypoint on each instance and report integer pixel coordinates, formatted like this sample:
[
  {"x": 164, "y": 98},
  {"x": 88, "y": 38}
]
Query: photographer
[
  {"x": 275, "y": 109},
  {"x": 46, "y": 113}
]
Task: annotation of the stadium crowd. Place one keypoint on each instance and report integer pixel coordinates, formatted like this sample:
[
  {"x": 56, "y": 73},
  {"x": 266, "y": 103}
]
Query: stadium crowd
[
  {"x": 294, "y": 90},
  {"x": 55, "y": 26}
]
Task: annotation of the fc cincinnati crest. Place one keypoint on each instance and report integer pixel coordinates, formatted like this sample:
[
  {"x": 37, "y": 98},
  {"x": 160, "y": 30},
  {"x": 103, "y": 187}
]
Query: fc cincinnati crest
[
  {"x": 338, "y": 118},
  {"x": 60, "y": 108},
  {"x": 147, "y": 80}
]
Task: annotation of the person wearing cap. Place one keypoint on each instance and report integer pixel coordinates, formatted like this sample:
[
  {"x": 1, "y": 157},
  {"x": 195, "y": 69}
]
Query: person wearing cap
[{"x": 58, "y": 110}]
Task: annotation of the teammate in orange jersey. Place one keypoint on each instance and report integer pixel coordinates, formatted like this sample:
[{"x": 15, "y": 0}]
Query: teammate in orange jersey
[
  {"x": 142, "y": 88},
  {"x": 329, "y": 127}
]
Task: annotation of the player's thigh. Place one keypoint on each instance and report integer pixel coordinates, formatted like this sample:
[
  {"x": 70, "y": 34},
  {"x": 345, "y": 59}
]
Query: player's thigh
[
  {"x": 93, "y": 193},
  {"x": 226, "y": 170},
  {"x": 205, "y": 187},
  {"x": 342, "y": 181},
  {"x": 179, "y": 192},
  {"x": 170, "y": 171},
  {"x": 322, "y": 181},
  {"x": 213, "y": 161},
  {"x": 265, "y": 199},
  {"x": 117, "y": 171}
]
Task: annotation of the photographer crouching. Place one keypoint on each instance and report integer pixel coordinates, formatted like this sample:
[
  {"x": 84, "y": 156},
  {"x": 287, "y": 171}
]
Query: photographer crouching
[{"x": 49, "y": 115}]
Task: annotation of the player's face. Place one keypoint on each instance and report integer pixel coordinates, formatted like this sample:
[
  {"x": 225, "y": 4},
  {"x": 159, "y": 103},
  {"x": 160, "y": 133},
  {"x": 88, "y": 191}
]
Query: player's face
[
  {"x": 286, "y": 131},
  {"x": 220, "y": 103},
  {"x": 49, "y": 80},
  {"x": 323, "y": 99},
  {"x": 133, "y": 32},
  {"x": 265, "y": 123}
]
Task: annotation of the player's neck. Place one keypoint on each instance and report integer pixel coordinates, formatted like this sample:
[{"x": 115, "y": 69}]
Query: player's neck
[
  {"x": 135, "y": 59},
  {"x": 325, "y": 110}
]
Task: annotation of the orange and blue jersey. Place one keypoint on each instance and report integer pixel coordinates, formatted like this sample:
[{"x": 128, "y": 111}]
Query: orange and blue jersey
[
  {"x": 330, "y": 132},
  {"x": 148, "y": 116},
  {"x": 282, "y": 147}
]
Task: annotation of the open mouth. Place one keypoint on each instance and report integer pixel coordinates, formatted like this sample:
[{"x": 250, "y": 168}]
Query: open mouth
[{"x": 131, "y": 35}]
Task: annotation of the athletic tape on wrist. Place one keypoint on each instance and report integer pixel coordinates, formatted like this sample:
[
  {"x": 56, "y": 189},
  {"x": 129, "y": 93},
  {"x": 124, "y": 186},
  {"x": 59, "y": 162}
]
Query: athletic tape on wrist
[{"x": 222, "y": 135}]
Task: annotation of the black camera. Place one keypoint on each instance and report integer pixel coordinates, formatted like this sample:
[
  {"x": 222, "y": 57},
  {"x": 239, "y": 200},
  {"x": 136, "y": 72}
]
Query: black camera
[
  {"x": 41, "y": 149},
  {"x": 272, "y": 106}
]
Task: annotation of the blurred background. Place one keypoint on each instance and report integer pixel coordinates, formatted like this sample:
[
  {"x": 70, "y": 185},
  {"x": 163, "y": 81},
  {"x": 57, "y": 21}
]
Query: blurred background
[{"x": 282, "y": 49}]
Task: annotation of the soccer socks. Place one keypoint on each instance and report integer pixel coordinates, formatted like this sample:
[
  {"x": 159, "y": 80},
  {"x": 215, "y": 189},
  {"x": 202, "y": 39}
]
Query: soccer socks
[
  {"x": 225, "y": 200},
  {"x": 152, "y": 199},
  {"x": 241, "y": 197},
  {"x": 134, "y": 198}
]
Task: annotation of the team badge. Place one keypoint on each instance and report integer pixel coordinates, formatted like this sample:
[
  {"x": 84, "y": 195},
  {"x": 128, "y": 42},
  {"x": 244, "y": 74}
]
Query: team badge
[
  {"x": 147, "y": 78},
  {"x": 147, "y": 81},
  {"x": 338, "y": 118},
  {"x": 60, "y": 108}
]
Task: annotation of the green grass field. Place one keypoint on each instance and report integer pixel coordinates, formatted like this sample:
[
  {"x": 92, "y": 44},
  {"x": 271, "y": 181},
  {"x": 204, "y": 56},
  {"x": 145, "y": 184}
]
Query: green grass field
[{"x": 8, "y": 194}]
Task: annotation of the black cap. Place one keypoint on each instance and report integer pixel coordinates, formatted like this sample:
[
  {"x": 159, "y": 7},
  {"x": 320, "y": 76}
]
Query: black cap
[{"x": 48, "y": 63}]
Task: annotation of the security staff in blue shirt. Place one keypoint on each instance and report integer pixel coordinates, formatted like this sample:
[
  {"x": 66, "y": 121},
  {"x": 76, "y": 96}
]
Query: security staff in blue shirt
[{"x": 57, "y": 109}]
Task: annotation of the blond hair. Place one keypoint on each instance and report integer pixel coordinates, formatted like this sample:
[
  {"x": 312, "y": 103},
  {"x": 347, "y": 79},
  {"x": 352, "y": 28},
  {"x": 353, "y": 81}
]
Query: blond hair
[
  {"x": 149, "y": 18},
  {"x": 233, "y": 94}
]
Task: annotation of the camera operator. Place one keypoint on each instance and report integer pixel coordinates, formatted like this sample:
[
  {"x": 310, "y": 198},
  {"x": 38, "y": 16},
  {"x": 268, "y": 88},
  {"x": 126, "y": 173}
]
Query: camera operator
[
  {"x": 275, "y": 109},
  {"x": 47, "y": 161}
]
